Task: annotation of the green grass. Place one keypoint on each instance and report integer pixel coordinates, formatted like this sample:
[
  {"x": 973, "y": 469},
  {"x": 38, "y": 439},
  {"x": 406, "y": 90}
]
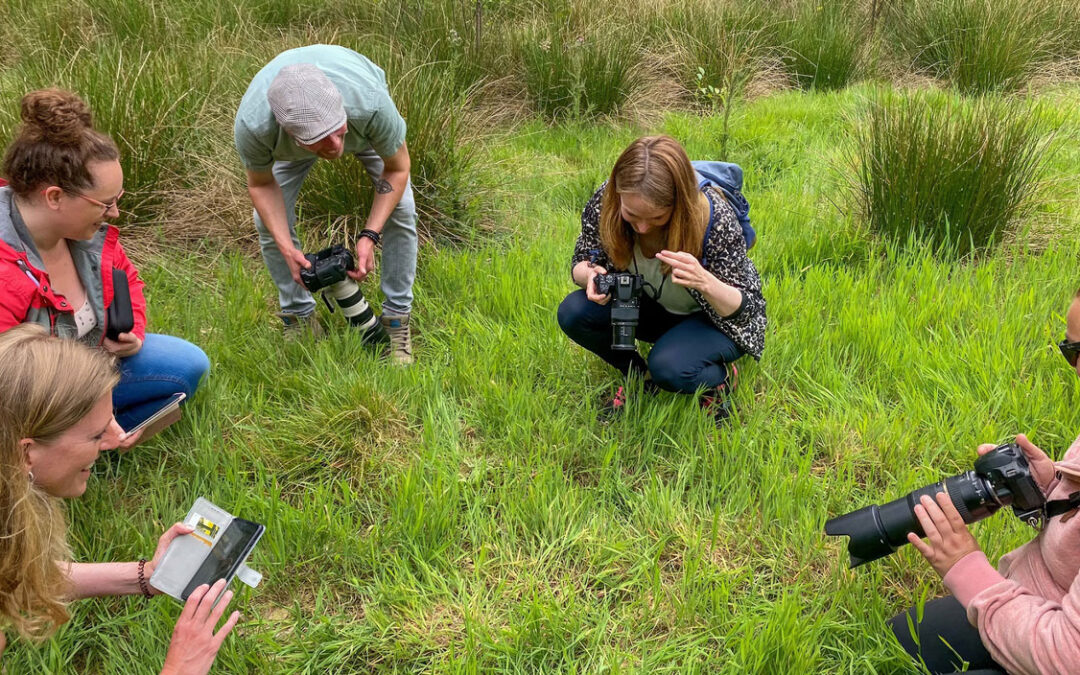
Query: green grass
[{"x": 468, "y": 514}]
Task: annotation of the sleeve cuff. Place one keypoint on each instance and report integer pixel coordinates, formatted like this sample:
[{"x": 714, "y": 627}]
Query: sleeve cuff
[
  {"x": 739, "y": 309},
  {"x": 970, "y": 576}
]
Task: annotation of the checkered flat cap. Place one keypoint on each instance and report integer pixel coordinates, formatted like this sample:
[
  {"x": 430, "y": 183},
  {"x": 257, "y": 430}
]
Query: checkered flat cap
[{"x": 306, "y": 103}]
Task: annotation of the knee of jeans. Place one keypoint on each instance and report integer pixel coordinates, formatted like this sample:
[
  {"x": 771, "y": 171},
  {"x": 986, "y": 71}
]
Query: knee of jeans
[
  {"x": 195, "y": 366},
  {"x": 571, "y": 313},
  {"x": 668, "y": 370}
]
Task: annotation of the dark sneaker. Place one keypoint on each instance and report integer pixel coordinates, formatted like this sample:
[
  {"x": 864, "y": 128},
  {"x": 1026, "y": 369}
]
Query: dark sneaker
[
  {"x": 612, "y": 408},
  {"x": 717, "y": 401},
  {"x": 296, "y": 327}
]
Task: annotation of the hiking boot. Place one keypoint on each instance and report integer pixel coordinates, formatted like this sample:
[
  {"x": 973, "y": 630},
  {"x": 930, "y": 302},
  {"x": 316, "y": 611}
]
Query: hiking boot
[
  {"x": 296, "y": 327},
  {"x": 400, "y": 338}
]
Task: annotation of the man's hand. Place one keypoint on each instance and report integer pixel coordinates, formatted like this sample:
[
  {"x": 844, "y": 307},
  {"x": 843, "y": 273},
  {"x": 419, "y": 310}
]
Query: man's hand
[
  {"x": 296, "y": 260},
  {"x": 194, "y": 645},
  {"x": 126, "y": 344},
  {"x": 947, "y": 536},
  {"x": 365, "y": 259}
]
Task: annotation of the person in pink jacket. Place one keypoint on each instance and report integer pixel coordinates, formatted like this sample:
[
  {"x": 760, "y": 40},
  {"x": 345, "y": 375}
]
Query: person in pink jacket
[{"x": 1024, "y": 616}]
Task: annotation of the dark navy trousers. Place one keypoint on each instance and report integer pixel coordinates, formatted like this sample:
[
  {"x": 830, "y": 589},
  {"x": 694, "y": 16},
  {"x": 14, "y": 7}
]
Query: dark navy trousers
[{"x": 688, "y": 352}]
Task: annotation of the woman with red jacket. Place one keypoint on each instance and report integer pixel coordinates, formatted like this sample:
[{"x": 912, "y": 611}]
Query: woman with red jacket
[{"x": 58, "y": 254}]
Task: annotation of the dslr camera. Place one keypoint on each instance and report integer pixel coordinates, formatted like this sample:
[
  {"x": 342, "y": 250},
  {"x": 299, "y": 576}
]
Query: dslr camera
[
  {"x": 1000, "y": 478},
  {"x": 625, "y": 290},
  {"x": 328, "y": 271}
]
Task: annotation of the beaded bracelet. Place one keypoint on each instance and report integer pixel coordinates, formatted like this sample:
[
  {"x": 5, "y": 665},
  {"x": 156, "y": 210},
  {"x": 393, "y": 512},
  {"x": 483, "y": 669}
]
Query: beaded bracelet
[
  {"x": 143, "y": 586},
  {"x": 373, "y": 236}
]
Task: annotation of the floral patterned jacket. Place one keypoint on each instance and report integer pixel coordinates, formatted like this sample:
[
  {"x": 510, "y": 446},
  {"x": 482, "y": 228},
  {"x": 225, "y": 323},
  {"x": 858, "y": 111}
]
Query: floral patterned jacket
[{"x": 724, "y": 256}]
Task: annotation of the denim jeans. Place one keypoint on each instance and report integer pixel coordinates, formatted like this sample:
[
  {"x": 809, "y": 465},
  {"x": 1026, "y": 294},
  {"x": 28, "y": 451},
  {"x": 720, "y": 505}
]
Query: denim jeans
[
  {"x": 399, "y": 242},
  {"x": 688, "y": 353},
  {"x": 165, "y": 365}
]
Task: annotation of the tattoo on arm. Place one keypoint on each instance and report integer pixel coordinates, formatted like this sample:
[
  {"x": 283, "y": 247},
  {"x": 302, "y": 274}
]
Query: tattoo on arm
[{"x": 383, "y": 186}]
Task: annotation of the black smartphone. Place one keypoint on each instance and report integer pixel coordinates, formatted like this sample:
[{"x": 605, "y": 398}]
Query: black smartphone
[{"x": 228, "y": 553}]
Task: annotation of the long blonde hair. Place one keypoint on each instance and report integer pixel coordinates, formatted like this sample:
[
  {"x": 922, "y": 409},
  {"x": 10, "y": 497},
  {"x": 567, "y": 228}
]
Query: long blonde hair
[
  {"x": 46, "y": 386},
  {"x": 657, "y": 168}
]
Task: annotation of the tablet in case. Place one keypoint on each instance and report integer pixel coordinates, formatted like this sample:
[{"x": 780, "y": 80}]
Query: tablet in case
[{"x": 217, "y": 549}]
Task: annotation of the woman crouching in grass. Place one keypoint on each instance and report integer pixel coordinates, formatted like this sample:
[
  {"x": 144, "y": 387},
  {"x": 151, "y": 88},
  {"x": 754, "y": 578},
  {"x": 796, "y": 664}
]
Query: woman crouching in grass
[
  {"x": 59, "y": 257},
  {"x": 55, "y": 419},
  {"x": 701, "y": 304},
  {"x": 1023, "y": 616}
]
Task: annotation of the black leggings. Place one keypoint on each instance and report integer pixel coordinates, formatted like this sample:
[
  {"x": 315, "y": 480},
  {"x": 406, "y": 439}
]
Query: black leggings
[{"x": 947, "y": 641}]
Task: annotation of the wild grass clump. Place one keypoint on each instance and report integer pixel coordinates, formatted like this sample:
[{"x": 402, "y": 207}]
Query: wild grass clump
[
  {"x": 723, "y": 46},
  {"x": 946, "y": 172},
  {"x": 571, "y": 72},
  {"x": 823, "y": 42},
  {"x": 977, "y": 45}
]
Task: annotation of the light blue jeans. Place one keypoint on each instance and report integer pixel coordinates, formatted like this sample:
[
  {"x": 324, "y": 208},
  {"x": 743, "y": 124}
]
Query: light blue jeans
[
  {"x": 165, "y": 365},
  {"x": 399, "y": 242}
]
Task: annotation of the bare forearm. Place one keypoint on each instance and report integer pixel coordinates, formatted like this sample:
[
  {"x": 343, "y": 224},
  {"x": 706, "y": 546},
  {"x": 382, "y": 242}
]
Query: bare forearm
[
  {"x": 389, "y": 189},
  {"x": 270, "y": 204},
  {"x": 724, "y": 298},
  {"x": 90, "y": 580}
]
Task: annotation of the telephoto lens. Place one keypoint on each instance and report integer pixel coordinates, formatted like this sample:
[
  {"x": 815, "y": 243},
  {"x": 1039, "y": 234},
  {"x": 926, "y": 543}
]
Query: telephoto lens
[
  {"x": 1000, "y": 478},
  {"x": 357, "y": 310}
]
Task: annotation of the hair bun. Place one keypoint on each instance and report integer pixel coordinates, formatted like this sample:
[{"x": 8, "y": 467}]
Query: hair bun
[{"x": 55, "y": 116}]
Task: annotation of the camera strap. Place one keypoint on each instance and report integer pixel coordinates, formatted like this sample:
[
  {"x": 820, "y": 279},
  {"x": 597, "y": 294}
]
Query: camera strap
[{"x": 1058, "y": 507}]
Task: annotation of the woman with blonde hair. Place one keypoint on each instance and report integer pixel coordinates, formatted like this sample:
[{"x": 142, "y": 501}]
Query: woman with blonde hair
[
  {"x": 701, "y": 306},
  {"x": 55, "y": 419},
  {"x": 62, "y": 265}
]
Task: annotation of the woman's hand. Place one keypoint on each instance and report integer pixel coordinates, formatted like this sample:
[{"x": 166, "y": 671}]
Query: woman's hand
[
  {"x": 947, "y": 536},
  {"x": 163, "y": 543},
  {"x": 686, "y": 270},
  {"x": 1042, "y": 467},
  {"x": 126, "y": 345},
  {"x": 124, "y": 440},
  {"x": 194, "y": 645},
  {"x": 586, "y": 272}
]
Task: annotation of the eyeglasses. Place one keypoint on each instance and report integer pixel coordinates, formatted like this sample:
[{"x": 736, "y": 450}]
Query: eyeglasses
[
  {"x": 114, "y": 204},
  {"x": 1070, "y": 350}
]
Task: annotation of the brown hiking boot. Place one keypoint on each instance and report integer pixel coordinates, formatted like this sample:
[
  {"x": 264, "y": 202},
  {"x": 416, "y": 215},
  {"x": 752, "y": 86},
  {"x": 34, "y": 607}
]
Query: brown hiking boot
[{"x": 400, "y": 338}]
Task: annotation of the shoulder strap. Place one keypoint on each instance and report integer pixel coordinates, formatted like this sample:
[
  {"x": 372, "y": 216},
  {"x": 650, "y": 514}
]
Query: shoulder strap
[{"x": 1058, "y": 507}]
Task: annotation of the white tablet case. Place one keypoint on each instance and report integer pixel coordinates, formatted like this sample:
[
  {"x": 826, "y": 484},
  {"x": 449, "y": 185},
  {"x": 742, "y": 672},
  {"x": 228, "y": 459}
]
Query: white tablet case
[{"x": 186, "y": 553}]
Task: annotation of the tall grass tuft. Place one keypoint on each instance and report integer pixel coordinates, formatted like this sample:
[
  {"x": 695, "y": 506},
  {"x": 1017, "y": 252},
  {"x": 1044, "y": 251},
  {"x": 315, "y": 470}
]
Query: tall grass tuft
[
  {"x": 823, "y": 42},
  {"x": 977, "y": 45},
  {"x": 569, "y": 71},
  {"x": 950, "y": 173}
]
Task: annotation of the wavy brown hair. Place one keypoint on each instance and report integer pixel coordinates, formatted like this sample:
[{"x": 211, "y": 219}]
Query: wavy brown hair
[
  {"x": 657, "y": 168},
  {"x": 46, "y": 386},
  {"x": 55, "y": 143}
]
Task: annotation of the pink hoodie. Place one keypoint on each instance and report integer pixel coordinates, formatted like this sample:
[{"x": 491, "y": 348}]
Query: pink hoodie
[{"x": 1028, "y": 610}]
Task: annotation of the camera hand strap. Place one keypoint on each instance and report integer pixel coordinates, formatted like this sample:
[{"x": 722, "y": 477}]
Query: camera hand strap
[{"x": 1058, "y": 507}]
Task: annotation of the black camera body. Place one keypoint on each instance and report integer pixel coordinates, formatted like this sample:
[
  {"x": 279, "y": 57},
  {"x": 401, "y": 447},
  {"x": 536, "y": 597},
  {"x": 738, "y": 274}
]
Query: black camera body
[
  {"x": 625, "y": 290},
  {"x": 1001, "y": 477},
  {"x": 328, "y": 267},
  {"x": 328, "y": 271}
]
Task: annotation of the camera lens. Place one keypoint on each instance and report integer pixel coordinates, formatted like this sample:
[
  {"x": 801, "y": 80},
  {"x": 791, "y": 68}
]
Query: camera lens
[
  {"x": 352, "y": 303},
  {"x": 877, "y": 531}
]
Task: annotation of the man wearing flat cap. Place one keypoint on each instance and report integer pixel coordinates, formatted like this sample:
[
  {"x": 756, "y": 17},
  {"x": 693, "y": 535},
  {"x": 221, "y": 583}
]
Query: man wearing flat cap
[{"x": 326, "y": 101}]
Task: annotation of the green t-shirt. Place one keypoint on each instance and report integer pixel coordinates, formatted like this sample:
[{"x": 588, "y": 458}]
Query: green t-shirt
[{"x": 373, "y": 118}]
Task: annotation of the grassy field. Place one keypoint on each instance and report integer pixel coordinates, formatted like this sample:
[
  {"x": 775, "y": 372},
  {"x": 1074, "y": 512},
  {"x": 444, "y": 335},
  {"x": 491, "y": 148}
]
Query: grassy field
[{"x": 468, "y": 514}]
